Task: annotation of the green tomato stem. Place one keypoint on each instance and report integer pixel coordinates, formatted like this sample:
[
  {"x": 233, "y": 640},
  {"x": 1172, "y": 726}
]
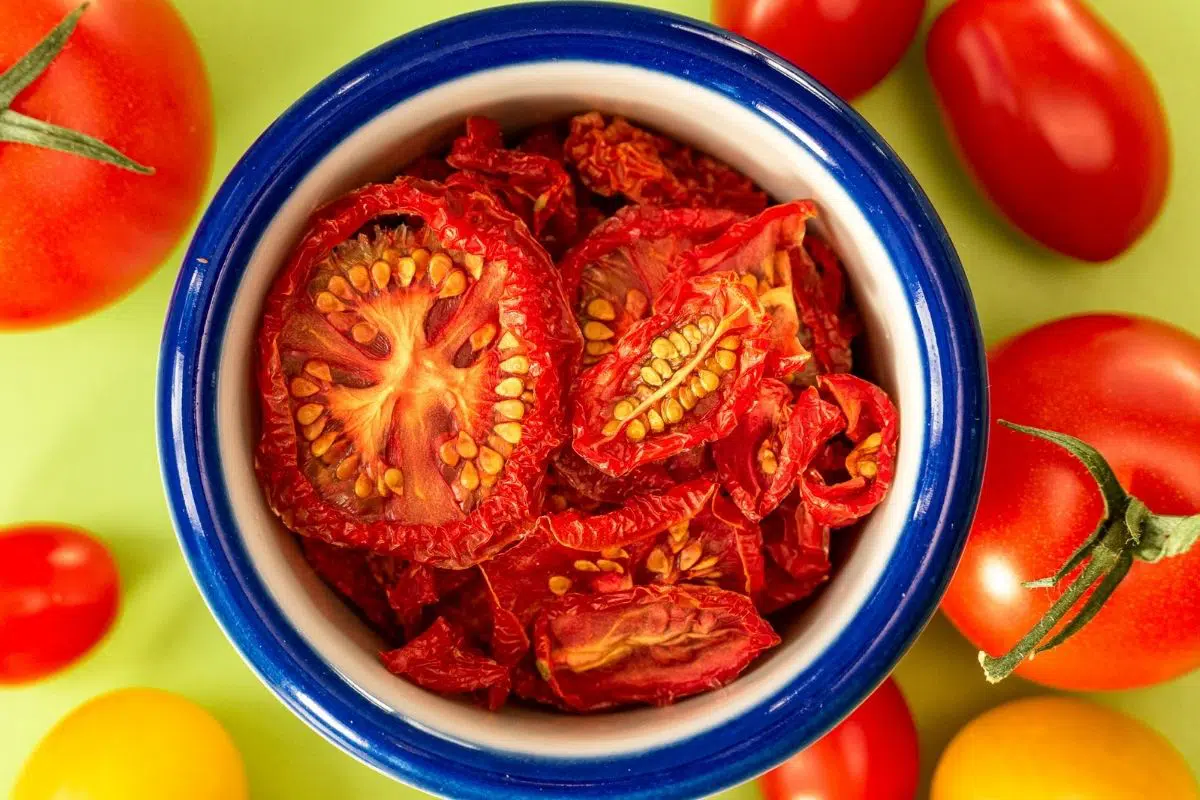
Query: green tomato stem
[{"x": 21, "y": 129}]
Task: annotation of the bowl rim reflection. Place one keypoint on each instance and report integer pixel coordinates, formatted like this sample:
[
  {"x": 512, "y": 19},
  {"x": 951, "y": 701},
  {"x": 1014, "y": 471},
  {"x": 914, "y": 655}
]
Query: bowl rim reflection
[{"x": 954, "y": 369}]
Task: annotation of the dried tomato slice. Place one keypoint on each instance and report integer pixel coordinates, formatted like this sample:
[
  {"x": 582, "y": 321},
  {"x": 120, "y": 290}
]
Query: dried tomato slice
[
  {"x": 872, "y": 427},
  {"x": 615, "y": 157},
  {"x": 349, "y": 572},
  {"x": 755, "y": 465},
  {"x": 536, "y": 187},
  {"x": 441, "y": 660},
  {"x": 613, "y": 275},
  {"x": 579, "y": 552},
  {"x": 799, "y": 545},
  {"x": 829, "y": 325},
  {"x": 649, "y": 644},
  {"x": 676, "y": 380},
  {"x": 718, "y": 546},
  {"x": 762, "y": 251},
  {"x": 411, "y": 375}
]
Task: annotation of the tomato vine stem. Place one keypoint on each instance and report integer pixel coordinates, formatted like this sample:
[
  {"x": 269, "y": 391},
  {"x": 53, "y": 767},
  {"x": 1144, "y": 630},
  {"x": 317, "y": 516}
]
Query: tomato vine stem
[
  {"x": 21, "y": 129},
  {"x": 1128, "y": 532}
]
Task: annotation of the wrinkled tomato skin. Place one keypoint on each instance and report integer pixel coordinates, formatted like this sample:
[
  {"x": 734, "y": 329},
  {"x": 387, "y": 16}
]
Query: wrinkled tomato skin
[
  {"x": 59, "y": 595},
  {"x": 737, "y": 455},
  {"x": 77, "y": 234},
  {"x": 472, "y": 222},
  {"x": 1056, "y": 119},
  {"x": 871, "y": 755},
  {"x": 1130, "y": 387},
  {"x": 663, "y": 673},
  {"x": 442, "y": 660},
  {"x": 848, "y": 45}
]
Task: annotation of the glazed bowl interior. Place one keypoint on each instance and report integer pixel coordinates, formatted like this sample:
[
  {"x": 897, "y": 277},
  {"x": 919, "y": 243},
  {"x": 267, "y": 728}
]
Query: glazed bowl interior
[{"x": 772, "y": 152}]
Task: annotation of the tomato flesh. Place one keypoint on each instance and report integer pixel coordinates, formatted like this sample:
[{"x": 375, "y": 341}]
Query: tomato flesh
[{"x": 59, "y": 593}]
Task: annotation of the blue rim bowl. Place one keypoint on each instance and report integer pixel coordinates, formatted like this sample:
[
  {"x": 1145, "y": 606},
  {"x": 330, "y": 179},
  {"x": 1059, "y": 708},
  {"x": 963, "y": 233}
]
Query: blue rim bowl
[{"x": 936, "y": 299}]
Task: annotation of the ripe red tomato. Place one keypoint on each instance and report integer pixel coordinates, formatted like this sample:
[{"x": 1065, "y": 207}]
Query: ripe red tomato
[
  {"x": 76, "y": 233},
  {"x": 1056, "y": 119},
  {"x": 1129, "y": 387},
  {"x": 871, "y": 755},
  {"x": 58, "y": 597},
  {"x": 848, "y": 45}
]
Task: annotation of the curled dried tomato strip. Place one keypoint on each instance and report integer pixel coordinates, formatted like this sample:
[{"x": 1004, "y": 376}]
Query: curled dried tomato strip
[
  {"x": 615, "y": 157},
  {"x": 640, "y": 516},
  {"x": 872, "y": 426},
  {"x": 534, "y": 186},
  {"x": 647, "y": 645},
  {"x": 441, "y": 660},
  {"x": 755, "y": 463},
  {"x": 530, "y": 300},
  {"x": 830, "y": 325},
  {"x": 583, "y": 479},
  {"x": 799, "y": 545},
  {"x": 675, "y": 380}
]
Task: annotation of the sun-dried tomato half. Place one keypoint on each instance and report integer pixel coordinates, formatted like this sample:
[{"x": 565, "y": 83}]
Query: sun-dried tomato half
[
  {"x": 613, "y": 275},
  {"x": 536, "y": 187},
  {"x": 649, "y": 644},
  {"x": 574, "y": 551},
  {"x": 676, "y": 380},
  {"x": 614, "y": 157},
  {"x": 718, "y": 546},
  {"x": 349, "y": 572},
  {"x": 872, "y": 428},
  {"x": 762, "y": 251},
  {"x": 829, "y": 324},
  {"x": 411, "y": 361},
  {"x": 441, "y": 660},
  {"x": 755, "y": 465}
]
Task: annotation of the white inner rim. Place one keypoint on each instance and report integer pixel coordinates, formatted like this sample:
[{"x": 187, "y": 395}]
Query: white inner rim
[{"x": 518, "y": 96}]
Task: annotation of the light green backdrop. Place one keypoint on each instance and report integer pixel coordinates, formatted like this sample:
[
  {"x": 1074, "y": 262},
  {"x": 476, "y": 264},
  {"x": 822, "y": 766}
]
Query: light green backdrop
[{"x": 78, "y": 412}]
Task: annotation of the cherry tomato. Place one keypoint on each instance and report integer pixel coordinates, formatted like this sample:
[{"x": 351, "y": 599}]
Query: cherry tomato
[
  {"x": 871, "y": 755},
  {"x": 135, "y": 744},
  {"x": 1056, "y": 119},
  {"x": 58, "y": 597},
  {"x": 75, "y": 233},
  {"x": 1130, "y": 387},
  {"x": 1060, "y": 747},
  {"x": 848, "y": 45}
]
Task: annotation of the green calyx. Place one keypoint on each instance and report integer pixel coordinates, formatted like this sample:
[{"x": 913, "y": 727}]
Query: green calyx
[
  {"x": 1128, "y": 532},
  {"x": 21, "y": 129}
]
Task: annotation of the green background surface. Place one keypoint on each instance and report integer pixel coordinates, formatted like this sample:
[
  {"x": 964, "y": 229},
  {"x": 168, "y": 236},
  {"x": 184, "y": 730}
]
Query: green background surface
[{"x": 77, "y": 401}]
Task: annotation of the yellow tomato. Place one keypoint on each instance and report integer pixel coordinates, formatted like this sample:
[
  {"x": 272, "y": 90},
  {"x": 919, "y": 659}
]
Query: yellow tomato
[
  {"x": 135, "y": 744},
  {"x": 1060, "y": 748}
]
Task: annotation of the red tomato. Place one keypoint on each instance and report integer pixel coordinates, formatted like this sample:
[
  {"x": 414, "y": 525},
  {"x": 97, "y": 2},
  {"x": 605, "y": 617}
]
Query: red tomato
[
  {"x": 1129, "y": 387},
  {"x": 75, "y": 233},
  {"x": 1056, "y": 119},
  {"x": 58, "y": 597},
  {"x": 871, "y": 755},
  {"x": 848, "y": 45}
]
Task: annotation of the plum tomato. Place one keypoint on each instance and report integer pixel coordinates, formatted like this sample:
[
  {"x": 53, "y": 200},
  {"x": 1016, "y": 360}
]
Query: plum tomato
[
  {"x": 648, "y": 644},
  {"x": 59, "y": 592},
  {"x": 612, "y": 276},
  {"x": 411, "y": 374},
  {"x": 675, "y": 380},
  {"x": 1056, "y": 119},
  {"x": 871, "y": 755},
  {"x": 848, "y": 45}
]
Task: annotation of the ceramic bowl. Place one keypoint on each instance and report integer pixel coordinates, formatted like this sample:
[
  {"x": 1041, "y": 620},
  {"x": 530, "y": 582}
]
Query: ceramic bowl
[{"x": 522, "y": 65}]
